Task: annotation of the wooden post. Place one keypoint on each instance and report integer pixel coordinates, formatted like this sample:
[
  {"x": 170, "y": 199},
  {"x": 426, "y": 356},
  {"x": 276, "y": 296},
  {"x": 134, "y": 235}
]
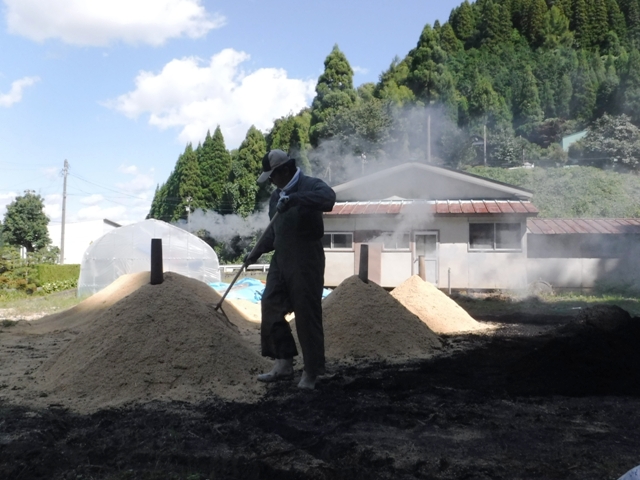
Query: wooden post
[
  {"x": 421, "y": 268},
  {"x": 363, "y": 271},
  {"x": 157, "y": 275}
]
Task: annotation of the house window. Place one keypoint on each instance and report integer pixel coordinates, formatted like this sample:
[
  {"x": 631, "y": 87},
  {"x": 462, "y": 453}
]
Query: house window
[
  {"x": 391, "y": 241},
  {"x": 334, "y": 241},
  {"x": 495, "y": 236}
]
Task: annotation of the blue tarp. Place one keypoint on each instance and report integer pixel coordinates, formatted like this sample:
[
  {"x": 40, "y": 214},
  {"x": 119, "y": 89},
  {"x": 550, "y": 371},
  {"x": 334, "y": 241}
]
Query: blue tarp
[{"x": 247, "y": 289}]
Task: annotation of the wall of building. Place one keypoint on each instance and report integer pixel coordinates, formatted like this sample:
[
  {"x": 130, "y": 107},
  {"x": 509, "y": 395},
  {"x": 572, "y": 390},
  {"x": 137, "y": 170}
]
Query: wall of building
[{"x": 77, "y": 237}]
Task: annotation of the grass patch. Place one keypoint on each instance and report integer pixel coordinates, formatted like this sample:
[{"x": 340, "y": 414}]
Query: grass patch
[{"x": 22, "y": 304}]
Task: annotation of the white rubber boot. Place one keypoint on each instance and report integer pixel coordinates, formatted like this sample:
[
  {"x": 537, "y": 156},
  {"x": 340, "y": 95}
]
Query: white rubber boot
[
  {"x": 283, "y": 369},
  {"x": 307, "y": 382}
]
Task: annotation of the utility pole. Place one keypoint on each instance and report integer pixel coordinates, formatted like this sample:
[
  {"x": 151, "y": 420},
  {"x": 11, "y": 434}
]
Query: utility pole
[
  {"x": 65, "y": 172},
  {"x": 429, "y": 139},
  {"x": 485, "y": 145},
  {"x": 189, "y": 214}
]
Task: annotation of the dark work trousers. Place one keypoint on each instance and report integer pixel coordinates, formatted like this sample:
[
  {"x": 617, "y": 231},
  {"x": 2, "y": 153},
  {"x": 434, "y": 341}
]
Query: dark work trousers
[{"x": 294, "y": 283}]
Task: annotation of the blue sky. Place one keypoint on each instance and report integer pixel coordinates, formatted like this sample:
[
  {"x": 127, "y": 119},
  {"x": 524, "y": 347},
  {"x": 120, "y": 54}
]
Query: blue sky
[{"x": 118, "y": 87}]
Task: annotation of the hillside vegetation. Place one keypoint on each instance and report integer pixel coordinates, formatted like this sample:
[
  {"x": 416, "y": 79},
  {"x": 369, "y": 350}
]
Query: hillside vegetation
[{"x": 512, "y": 75}]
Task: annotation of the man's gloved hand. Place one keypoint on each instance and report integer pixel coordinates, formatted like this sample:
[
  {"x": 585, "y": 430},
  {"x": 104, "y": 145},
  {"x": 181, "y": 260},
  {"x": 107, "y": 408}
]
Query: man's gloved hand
[{"x": 283, "y": 204}]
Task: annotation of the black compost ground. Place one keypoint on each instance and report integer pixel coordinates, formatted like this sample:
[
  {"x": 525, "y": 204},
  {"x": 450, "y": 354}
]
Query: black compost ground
[{"x": 544, "y": 398}]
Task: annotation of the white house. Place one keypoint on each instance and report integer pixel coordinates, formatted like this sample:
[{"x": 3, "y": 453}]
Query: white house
[
  {"x": 469, "y": 230},
  {"x": 473, "y": 233}
]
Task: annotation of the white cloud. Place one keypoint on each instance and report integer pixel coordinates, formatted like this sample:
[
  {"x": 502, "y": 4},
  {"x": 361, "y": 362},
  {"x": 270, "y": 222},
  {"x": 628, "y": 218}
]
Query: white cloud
[
  {"x": 93, "y": 199},
  {"x": 53, "y": 206},
  {"x": 6, "y": 199},
  {"x": 141, "y": 185},
  {"x": 196, "y": 97},
  {"x": 101, "y": 22},
  {"x": 15, "y": 94},
  {"x": 360, "y": 70}
]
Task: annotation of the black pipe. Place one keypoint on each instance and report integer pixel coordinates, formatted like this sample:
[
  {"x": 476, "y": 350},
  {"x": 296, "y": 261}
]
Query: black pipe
[{"x": 157, "y": 275}]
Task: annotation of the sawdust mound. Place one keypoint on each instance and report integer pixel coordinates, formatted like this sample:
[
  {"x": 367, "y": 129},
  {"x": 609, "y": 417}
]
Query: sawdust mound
[
  {"x": 86, "y": 311},
  {"x": 596, "y": 354},
  {"x": 439, "y": 312},
  {"x": 362, "y": 321},
  {"x": 161, "y": 342}
]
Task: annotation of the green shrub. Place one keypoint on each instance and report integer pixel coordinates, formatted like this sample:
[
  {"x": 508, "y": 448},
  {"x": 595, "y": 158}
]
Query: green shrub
[
  {"x": 59, "y": 286},
  {"x": 48, "y": 273}
]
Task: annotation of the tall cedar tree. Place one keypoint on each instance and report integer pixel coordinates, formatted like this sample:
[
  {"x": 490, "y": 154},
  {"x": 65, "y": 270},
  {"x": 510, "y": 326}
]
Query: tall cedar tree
[
  {"x": 334, "y": 92},
  {"x": 616, "y": 19},
  {"x": 463, "y": 21},
  {"x": 631, "y": 88},
  {"x": 430, "y": 79},
  {"x": 245, "y": 168},
  {"x": 215, "y": 165},
  {"x": 580, "y": 23},
  {"x": 529, "y": 110},
  {"x": 584, "y": 91},
  {"x": 190, "y": 191},
  {"x": 25, "y": 223},
  {"x": 535, "y": 21},
  {"x": 495, "y": 25}
]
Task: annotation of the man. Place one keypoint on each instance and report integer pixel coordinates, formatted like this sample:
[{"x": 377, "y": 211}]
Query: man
[{"x": 296, "y": 273}]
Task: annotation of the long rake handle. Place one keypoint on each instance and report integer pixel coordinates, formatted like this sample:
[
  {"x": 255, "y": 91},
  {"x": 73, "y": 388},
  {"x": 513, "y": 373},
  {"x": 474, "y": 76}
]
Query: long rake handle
[{"x": 245, "y": 264}]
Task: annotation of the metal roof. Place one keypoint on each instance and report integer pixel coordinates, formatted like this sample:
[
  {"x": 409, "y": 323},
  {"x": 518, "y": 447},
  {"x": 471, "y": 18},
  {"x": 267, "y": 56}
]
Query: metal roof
[
  {"x": 563, "y": 226},
  {"x": 436, "y": 207}
]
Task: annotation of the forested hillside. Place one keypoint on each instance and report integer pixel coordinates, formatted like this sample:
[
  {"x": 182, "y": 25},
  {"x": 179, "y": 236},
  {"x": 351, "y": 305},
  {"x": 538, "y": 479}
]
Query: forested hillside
[{"x": 520, "y": 73}]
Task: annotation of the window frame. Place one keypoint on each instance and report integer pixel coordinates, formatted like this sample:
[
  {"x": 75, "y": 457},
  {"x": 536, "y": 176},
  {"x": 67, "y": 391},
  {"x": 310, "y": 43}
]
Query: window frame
[
  {"x": 494, "y": 247},
  {"x": 396, "y": 249},
  {"x": 339, "y": 249}
]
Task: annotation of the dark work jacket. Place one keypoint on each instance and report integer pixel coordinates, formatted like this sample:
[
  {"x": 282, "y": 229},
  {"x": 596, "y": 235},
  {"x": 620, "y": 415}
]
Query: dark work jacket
[{"x": 302, "y": 222}]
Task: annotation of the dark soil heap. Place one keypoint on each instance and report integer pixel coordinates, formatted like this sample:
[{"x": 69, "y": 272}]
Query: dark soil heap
[
  {"x": 161, "y": 342},
  {"x": 597, "y": 354},
  {"x": 363, "y": 321}
]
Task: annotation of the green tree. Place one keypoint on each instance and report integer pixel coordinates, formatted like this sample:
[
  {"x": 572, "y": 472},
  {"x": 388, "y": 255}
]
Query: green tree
[
  {"x": 334, "y": 92},
  {"x": 429, "y": 77},
  {"x": 392, "y": 84},
  {"x": 631, "y": 88},
  {"x": 611, "y": 141},
  {"x": 598, "y": 21},
  {"x": 495, "y": 25},
  {"x": 448, "y": 40},
  {"x": 529, "y": 109},
  {"x": 215, "y": 165},
  {"x": 535, "y": 22},
  {"x": 563, "y": 97},
  {"x": 617, "y": 22},
  {"x": 580, "y": 23},
  {"x": 584, "y": 90},
  {"x": 607, "y": 91},
  {"x": 246, "y": 167},
  {"x": 190, "y": 191},
  {"x": 462, "y": 20},
  {"x": 25, "y": 223},
  {"x": 556, "y": 29}
]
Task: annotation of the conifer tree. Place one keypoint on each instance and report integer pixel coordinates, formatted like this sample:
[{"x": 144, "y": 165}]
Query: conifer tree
[
  {"x": 556, "y": 32},
  {"x": 580, "y": 23},
  {"x": 606, "y": 95},
  {"x": 631, "y": 88},
  {"x": 448, "y": 40},
  {"x": 392, "y": 85},
  {"x": 529, "y": 110},
  {"x": 334, "y": 92},
  {"x": 617, "y": 22},
  {"x": 462, "y": 20},
  {"x": 495, "y": 26},
  {"x": 584, "y": 90},
  {"x": 598, "y": 21},
  {"x": 190, "y": 192},
  {"x": 246, "y": 167},
  {"x": 535, "y": 22},
  {"x": 215, "y": 165},
  {"x": 563, "y": 97},
  {"x": 430, "y": 79}
]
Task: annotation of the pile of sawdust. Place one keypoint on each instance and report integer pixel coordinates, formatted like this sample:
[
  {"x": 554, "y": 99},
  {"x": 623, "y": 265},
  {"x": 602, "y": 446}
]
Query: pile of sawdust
[
  {"x": 160, "y": 342},
  {"x": 362, "y": 321},
  {"x": 439, "y": 312},
  {"x": 86, "y": 311}
]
